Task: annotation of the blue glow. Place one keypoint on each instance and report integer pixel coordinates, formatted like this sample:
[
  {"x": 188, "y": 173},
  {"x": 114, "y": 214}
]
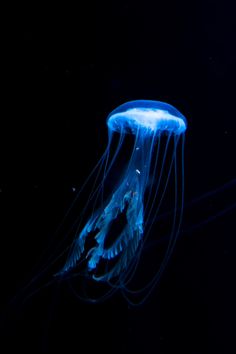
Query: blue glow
[
  {"x": 152, "y": 116},
  {"x": 109, "y": 245}
]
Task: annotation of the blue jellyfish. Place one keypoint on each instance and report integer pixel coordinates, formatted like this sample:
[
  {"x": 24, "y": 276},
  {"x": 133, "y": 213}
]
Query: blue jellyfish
[{"x": 124, "y": 205}]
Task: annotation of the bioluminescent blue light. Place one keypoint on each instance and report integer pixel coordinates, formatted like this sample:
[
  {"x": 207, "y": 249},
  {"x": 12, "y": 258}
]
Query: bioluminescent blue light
[
  {"x": 107, "y": 248},
  {"x": 150, "y": 116}
]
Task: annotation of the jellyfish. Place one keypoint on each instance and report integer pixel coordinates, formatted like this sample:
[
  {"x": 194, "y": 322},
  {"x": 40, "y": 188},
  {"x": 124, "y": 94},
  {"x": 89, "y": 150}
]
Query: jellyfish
[{"x": 109, "y": 244}]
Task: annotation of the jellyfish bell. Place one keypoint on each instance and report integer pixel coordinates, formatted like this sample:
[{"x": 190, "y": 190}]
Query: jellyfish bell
[
  {"x": 109, "y": 243},
  {"x": 151, "y": 116}
]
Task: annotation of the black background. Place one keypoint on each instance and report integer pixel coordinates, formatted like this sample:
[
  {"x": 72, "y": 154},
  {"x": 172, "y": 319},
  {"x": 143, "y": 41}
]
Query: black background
[{"x": 65, "y": 69}]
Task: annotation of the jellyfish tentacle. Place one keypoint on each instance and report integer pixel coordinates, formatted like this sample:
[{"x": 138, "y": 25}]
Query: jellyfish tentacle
[
  {"x": 159, "y": 180},
  {"x": 127, "y": 242},
  {"x": 95, "y": 189},
  {"x": 172, "y": 240},
  {"x": 130, "y": 191},
  {"x": 154, "y": 169}
]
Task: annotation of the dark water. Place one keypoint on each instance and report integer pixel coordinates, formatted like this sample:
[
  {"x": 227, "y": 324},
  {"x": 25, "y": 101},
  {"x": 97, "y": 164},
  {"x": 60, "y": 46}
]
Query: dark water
[{"x": 66, "y": 69}]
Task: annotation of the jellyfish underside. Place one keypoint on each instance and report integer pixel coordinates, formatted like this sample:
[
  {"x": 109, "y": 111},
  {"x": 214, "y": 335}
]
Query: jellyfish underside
[{"x": 110, "y": 243}]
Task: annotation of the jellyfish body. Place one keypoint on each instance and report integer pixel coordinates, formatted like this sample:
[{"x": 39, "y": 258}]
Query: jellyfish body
[{"x": 121, "y": 223}]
